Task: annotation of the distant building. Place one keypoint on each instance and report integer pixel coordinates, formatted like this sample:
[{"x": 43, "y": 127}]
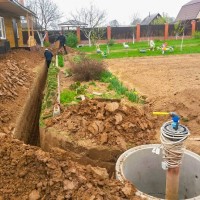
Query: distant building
[
  {"x": 150, "y": 19},
  {"x": 189, "y": 11}
]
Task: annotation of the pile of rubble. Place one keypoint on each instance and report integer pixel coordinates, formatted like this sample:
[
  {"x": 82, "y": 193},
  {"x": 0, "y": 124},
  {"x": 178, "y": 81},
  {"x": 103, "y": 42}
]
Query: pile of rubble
[
  {"x": 12, "y": 76},
  {"x": 105, "y": 123},
  {"x": 16, "y": 78},
  {"x": 27, "y": 172}
]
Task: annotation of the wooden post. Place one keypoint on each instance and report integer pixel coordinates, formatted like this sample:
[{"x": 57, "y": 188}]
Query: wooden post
[
  {"x": 172, "y": 183},
  {"x": 78, "y": 34},
  {"x": 32, "y": 33},
  {"x": 28, "y": 24}
]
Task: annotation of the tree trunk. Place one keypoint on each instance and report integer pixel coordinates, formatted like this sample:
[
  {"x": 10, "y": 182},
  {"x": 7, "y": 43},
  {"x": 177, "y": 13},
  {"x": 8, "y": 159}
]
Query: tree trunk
[
  {"x": 89, "y": 39},
  {"x": 41, "y": 38},
  {"x": 182, "y": 42}
]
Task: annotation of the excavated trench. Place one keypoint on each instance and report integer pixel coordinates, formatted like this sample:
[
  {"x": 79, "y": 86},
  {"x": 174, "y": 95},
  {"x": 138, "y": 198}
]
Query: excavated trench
[
  {"x": 139, "y": 166},
  {"x": 27, "y": 126},
  {"x": 27, "y": 130}
]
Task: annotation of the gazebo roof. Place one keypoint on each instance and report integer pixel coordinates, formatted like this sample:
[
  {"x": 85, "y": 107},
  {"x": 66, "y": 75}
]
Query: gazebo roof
[{"x": 72, "y": 23}]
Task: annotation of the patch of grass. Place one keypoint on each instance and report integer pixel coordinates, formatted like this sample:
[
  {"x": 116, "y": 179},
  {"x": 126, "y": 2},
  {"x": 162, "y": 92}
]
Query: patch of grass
[
  {"x": 68, "y": 96},
  {"x": 78, "y": 88},
  {"x": 118, "y": 51},
  {"x": 50, "y": 94},
  {"x": 60, "y": 60},
  {"x": 92, "y": 83},
  {"x": 51, "y": 86},
  {"x": 119, "y": 88}
]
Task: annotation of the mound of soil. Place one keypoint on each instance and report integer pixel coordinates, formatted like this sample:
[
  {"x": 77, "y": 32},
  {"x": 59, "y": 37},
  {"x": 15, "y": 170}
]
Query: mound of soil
[
  {"x": 105, "y": 123},
  {"x": 27, "y": 172},
  {"x": 15, "y": 80}
]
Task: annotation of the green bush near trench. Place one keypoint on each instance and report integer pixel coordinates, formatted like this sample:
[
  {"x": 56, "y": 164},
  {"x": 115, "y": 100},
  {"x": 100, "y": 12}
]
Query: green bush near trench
[
  {"x": 51, "y": 89},
  {"x": 68, "y": 96},
  {"x": 60, "y": 60}
]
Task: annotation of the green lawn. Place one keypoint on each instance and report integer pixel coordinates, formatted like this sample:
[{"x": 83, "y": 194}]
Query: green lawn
[{"x": 118, "y": 51}]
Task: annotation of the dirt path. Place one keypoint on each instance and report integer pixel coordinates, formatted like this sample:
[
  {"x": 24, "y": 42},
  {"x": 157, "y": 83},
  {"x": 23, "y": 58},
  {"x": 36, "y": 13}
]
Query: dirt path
[{"x": 171, "y": 83}]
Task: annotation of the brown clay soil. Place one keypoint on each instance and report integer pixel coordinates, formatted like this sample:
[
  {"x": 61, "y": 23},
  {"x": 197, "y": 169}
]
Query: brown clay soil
[
  {"x": 27, "y": 172},
  {"x": 94, "y": 123},
  {"x": 17, "y": 74},
  {"x": 170, "y": 83}
]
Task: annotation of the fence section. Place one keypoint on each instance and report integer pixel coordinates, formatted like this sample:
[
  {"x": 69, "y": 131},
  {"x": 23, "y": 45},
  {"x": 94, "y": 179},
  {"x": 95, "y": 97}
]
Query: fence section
[
  {"x": 126, "y": 33},
  {"x": 122, "y": 32}
]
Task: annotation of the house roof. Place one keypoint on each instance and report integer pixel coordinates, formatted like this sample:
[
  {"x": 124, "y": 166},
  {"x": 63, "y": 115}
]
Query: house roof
[
  {"x": 149, "y": 19},
  {"x": 72, "y": 23},
  {"x": 189, "y": 11},
  {"x": 14, "y": 7}
]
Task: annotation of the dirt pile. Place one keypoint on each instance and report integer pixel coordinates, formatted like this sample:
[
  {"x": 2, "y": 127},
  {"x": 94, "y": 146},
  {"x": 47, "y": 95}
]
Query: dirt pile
[
  {"x": 27, "y": 172},
  {"x": 105, "y": 123},
  {"x": 15, "y": 81}
]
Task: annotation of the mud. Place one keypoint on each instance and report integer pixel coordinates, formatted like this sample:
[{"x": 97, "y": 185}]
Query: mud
[
  {"x": 17, "y": 74},
  {"x": 29, "y": 173}
]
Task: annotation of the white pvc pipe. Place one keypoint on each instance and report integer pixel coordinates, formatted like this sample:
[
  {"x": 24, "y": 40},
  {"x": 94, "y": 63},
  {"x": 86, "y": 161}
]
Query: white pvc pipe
[{"x": 56, "y": 60}]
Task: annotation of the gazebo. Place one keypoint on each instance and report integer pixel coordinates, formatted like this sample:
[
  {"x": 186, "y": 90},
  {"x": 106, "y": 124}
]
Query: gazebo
[{"x": 73, "y": 24}]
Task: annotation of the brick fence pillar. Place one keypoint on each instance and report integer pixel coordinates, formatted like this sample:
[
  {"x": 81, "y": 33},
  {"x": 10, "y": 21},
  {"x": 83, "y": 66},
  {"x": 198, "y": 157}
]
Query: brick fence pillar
[
  {"x": 78, "y": 33},
  {"x": 46, "y": 36},
  {"x": 166, "y": 31},
  {"x": 138, "y": 32},
  {"x": 193, "y": 26},
  {"x": 108, "y": 33}
]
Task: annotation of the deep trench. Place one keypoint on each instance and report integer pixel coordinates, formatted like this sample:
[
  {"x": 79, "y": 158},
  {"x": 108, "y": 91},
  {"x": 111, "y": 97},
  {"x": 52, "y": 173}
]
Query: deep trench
[
  {"x": 27, "y": 125},
  {"x": 28, "y": 130}
]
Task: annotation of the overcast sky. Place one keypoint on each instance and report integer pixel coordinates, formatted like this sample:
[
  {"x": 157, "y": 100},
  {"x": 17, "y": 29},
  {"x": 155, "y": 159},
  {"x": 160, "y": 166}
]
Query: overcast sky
[{"x": 122, "y": 10}]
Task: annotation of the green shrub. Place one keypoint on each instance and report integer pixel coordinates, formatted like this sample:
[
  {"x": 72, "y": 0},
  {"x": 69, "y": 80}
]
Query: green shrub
[
  {"x": 72, "y": 40},
  {"x": 87, "y": 69},
  {"x": 80, "y": 89},
  {"x": 60, "y": 61},
  {"x": 67, "y": 96},
  {"x": 111, "y": 42},
  {"x": 196, "y": 35},
  {"x": 46, "y": 43}
]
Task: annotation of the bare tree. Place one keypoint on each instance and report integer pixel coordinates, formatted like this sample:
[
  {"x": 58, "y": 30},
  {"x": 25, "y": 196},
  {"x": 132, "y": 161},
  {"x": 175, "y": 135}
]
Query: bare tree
[
  {"x": 47, "y": 12},
  {"x": 91, "y": 16},
  {"x": 135, "y": 19}
]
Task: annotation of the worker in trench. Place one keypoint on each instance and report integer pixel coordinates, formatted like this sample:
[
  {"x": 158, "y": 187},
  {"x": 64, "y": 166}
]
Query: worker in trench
[{"x": 48, "y": 56}]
